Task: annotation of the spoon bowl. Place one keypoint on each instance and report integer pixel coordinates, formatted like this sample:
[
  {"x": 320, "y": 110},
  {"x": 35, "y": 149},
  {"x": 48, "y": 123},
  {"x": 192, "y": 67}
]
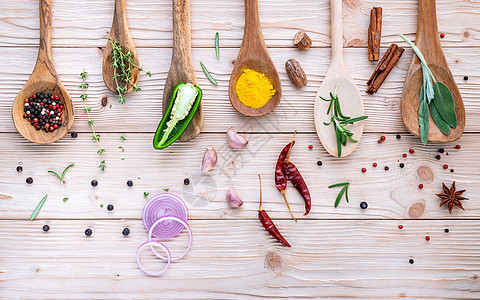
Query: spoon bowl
[
  {"x": 428, "y": 42},
  {"x": 254, "y": 55},
  {"x": 43, "y": 79}
]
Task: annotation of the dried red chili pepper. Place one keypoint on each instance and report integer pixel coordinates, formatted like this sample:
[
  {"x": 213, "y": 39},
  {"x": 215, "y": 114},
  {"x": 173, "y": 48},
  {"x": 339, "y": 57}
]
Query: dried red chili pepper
[
  {"x": 267, "y": 221},
  {"x": 298, "y": 182},
  {"x": 280, "y": 177}
]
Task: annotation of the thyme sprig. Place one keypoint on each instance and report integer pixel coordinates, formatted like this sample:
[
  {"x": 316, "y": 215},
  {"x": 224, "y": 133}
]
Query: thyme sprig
[
  {"x": 344, "y": 190},
  {"x": 123, "y": 64},
  {"x": 87, "y": 109},
  {"x": 63, "y": 173},
  {"x": 339, "y": 121}
]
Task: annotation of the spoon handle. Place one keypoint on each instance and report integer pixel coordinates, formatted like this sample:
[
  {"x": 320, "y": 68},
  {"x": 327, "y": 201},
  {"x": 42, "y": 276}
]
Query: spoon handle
[
  {"x": 252, "y": 21},
  {"x": 120, "y": 22},
  {"x": 427, "y": 29},
  {"x": 44, "y": 58},
  {"x": 336, "y": 29}
]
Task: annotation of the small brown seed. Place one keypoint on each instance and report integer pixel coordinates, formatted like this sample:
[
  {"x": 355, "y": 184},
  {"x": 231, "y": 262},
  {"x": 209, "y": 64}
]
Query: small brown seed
[
  {"x": 295, "y": 73},
  {"x": 302, "y": 40}
]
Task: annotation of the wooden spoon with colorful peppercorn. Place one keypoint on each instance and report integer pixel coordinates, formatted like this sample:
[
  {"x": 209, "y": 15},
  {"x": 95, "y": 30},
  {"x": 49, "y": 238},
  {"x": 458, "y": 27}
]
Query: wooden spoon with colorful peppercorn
[
  {"x": 120, "y": 33},
  {"x": 254, "y": 55},
  {"x": 181, "y": 67},
  {"x": 428, "y": 42},
  {"x": 44, "y": 79}
]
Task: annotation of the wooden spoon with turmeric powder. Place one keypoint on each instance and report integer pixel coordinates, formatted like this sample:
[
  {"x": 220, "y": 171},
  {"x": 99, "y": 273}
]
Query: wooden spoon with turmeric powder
[{"x": 255, "y": 88}]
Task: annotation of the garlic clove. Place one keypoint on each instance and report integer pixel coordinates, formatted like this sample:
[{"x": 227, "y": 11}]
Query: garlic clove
[
  {"x": 236, "y": 140},
  {"x": 233, "y": 199},
  {"x": 209, "y": 159}
]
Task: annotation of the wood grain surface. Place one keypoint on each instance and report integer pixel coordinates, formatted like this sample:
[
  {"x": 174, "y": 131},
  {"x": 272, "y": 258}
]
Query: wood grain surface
[{"x": 337, "y": 253}]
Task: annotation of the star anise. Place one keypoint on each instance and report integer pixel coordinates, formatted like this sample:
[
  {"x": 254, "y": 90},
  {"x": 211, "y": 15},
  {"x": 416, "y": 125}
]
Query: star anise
[{"x": 451, "y": 197}]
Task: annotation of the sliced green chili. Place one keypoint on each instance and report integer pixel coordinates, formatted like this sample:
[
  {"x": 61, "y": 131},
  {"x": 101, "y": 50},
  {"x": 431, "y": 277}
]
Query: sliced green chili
[
  {"x": 209, "y": 76},
  {"x": 183, "y": 104}
]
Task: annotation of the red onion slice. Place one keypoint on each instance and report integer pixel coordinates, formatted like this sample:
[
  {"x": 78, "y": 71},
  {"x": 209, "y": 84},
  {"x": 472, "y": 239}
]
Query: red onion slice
[
  {"x": 164, "y": 248},
  {"x": 184, "y": 224},
  {"x": 165, "y": 204}
]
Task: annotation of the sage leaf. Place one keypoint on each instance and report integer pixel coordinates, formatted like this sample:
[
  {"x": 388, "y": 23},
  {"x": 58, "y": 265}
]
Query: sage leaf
[
  {"x": 423, "y": 120},
  {"x": 439, "y": 121},
  {"x": 443, "y": 101}
]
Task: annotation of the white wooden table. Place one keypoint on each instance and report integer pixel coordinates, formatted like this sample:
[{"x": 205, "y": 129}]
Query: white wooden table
[{"x": 342, "y": 252}]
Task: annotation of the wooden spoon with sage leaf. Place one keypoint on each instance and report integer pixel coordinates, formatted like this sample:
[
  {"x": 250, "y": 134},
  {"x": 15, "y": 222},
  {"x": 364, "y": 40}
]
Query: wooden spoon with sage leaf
[
  {"x": 120, "y": 37},
  {"x": 439, "y": 125}
]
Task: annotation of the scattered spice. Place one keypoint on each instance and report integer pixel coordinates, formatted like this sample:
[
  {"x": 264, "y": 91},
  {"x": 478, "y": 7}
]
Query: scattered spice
[
  {"x": 445, "y": 166},
  {"x": 344, "y": 190},
  {"x": 94, "y": 183},
  {"x": 447, "y": 230},
  {"x": 451, "y": 197},
  {"x": 374, "y": 33},
  {"x": 38, "y": 208},
  {"x": 465, "y": 78},
  {"x": 295, "y": 73},
  {"x": 411, "y": 151},
  {"x": 438, "y": 157},
  {"x": 74, "y": 135},
  {"x": 442, "y": 35},
  {"x": 339, "y": 121},
  {"x": 209, "y": 76},
  {"x": 427, "y": 238},
  {"x": 129, "y": 183},
  {"x": 123, "y": 65},
  {"x": 399, "y": 136},
  {"x": 63, "y": 173},
  {"x": 386, "y": 168},
  {"x": 44, "y": 111},
  {"x": 458, "y": 147},
  {"x": 302, "y": 40},
  {"x": 400, "y": 226},
  {"x": 364, "y": 170},
  {"x": 384, "y": 67},
  {"x": 88, "y": 232},
  {"x": 374, "y": 165},
  {"x": 420, "y": 186},
  {"x": 19, "y": 169},
  {"x": 310, "y": 147},
  {"x": 363, "y": 205},
  {"x": 411, "y": 261},
  {"x": 186, "y": 181},
  {"x": 452, "y": 170},
  {"x": 383, "y": 138},
  {"x": 441, "y": 150},
  {"x": 46, "y": 228},
  {"x": 267, "y": 221},
  {"x": 254, "y": 89},
  {"x": 29, "y": 180},
  {"x": 87, "y": 109},
  {"x": 110, "y": 207},
  {"x": 404, "y": 155},
  {"x": 319, "y": 163},
  {"x": 125, "y": 231},
  {"x": 402, "y": 165}
]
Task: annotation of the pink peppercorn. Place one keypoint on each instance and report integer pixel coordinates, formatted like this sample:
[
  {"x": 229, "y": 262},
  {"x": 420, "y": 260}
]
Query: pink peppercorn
[
  {"x": 310, "y": 147},
  {"x": 379, "y": 141},
  {"x": 411, "y": 151},
  {"x": 404, "y": 155},
  {"x": 442, "y": 35},
  {"x": 374, "y": 165},
  {"x": 382, "y": 138},
  {"x": 445, "y": 166},
  {"x": 427, "y": 238},
  {"x": 420, "y": 186},
  {"x": 400, "y": 226},
  {"x": 364, "y": 170},
  {"x": 458, "y": 147}
]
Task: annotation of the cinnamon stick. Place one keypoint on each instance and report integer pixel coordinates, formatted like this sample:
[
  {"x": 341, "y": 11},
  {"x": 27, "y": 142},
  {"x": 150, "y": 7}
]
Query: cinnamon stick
[
  {"x": 384, "y": 67},
  {"x": 374, "y": 33}
]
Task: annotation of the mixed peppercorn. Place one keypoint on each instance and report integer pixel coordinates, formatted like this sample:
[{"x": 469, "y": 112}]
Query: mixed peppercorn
[{"x": 44, "y": 111}]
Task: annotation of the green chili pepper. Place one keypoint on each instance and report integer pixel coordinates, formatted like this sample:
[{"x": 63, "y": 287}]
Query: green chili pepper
[{"x": 184, "y": 103}]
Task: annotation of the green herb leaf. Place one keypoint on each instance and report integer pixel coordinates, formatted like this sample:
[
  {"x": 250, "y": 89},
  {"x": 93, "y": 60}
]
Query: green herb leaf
[
  {"x": 122, "y": 138},
  {"x": 439, "y": 121},
  {"x": 339, "y": 196},
  {"x": 65, "y": 171},
  {"x": 443, "y": 101},
  {"x": 166, "y": 190},
  {"x": 65, "y": 199},
  {"x": 217, "y": 46},
  {"x": 209, "y": 76},
  {"x": 338, "y": 184},
  {"x": 38, "y": 208},
  {"x": 55, "y": 173},
  {"x": 145, "y": 194},
  {"x": 423, "y": 120}
]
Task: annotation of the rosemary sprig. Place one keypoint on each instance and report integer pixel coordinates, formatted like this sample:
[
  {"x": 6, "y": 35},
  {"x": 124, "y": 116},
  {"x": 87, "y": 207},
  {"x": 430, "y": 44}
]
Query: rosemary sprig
[
  {"x": 339, "y": 121},
  {"x": 209, "y": 76},
  {"x": 123, "y": 64},
  {"x": 63, "y": 174},
  {"x": 344, "y": 190},
  {"x": 38, "y": 208},
  {"x": 217, "y": 46},
  {"x": 87, "y": 109}
]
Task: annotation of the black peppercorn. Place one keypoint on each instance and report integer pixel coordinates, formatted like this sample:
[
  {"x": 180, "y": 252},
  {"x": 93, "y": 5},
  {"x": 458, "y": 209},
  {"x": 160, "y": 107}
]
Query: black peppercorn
[
  {"x": 110, "y": 207},
  {"x": 130, "y": 183},
  {"x": 402, "y": 165},
  {"x": 438, "y": 157},
  {"x": 411, "y": 261},
  {"x": 452, "y": 170},
  {"x": 74, "y": 135},
  {"x": 49, "y": 95},
  {"x": 465, "y": 77},
  {"x": 441, "y": 150},
  {"x": 46, "y": 228},
  {"x": 29, "y": 180},
  {"x": 399, "y": 136},
  {"x": 447, "y": 230},
  {"x": 88, "y": 232},
  {"x": 319, "y": 163},
  {"x": 386, "y": 168},
  {"x": 94, "y": 183},
  {"x": 363, "y": 205},
  {"x": 126, "y": 231},
  {"x": 19, "y": 169},
  {"x": 186, "y": 181}
]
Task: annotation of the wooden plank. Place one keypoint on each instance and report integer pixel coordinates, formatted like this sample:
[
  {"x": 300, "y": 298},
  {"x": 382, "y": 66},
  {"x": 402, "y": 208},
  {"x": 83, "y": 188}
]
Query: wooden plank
[
  {"x": 392, "y": 194},
  {"x": 86, "y": 24},
  {"x": 238, "y": 259},
  {"x": 143, "y": 110}
]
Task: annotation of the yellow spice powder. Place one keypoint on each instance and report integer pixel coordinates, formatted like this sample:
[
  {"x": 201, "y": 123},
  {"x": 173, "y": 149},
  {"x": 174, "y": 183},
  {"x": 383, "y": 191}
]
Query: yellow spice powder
[{"x": 254, "y": 89}]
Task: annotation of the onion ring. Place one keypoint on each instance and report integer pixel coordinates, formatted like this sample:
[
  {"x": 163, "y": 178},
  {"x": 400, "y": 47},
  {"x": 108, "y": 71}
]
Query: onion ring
[
  {"x": 149, "y": 238},
  {"x": 165, "y": 204},
  {"x": 168, "y": 259}
]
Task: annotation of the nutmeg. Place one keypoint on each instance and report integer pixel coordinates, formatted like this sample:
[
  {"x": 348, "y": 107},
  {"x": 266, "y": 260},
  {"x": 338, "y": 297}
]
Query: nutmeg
[
  {"x": 295, "y": 73},
  {"x": 302, "y": 40}
]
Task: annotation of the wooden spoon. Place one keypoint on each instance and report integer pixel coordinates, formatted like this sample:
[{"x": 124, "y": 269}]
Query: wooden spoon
[
  {"x": 44, "y": 79},
  {"x": 254, "y": 55},
  {"x": 121, "y": 33},
  {"x": 350, "y": 100},
  {"x": 428, "y": 42},
  {"x": 181, "y": 68}
]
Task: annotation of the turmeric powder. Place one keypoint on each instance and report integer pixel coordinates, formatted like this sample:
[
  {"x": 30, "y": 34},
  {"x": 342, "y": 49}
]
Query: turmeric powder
[{"x": 254, "y": 89}]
